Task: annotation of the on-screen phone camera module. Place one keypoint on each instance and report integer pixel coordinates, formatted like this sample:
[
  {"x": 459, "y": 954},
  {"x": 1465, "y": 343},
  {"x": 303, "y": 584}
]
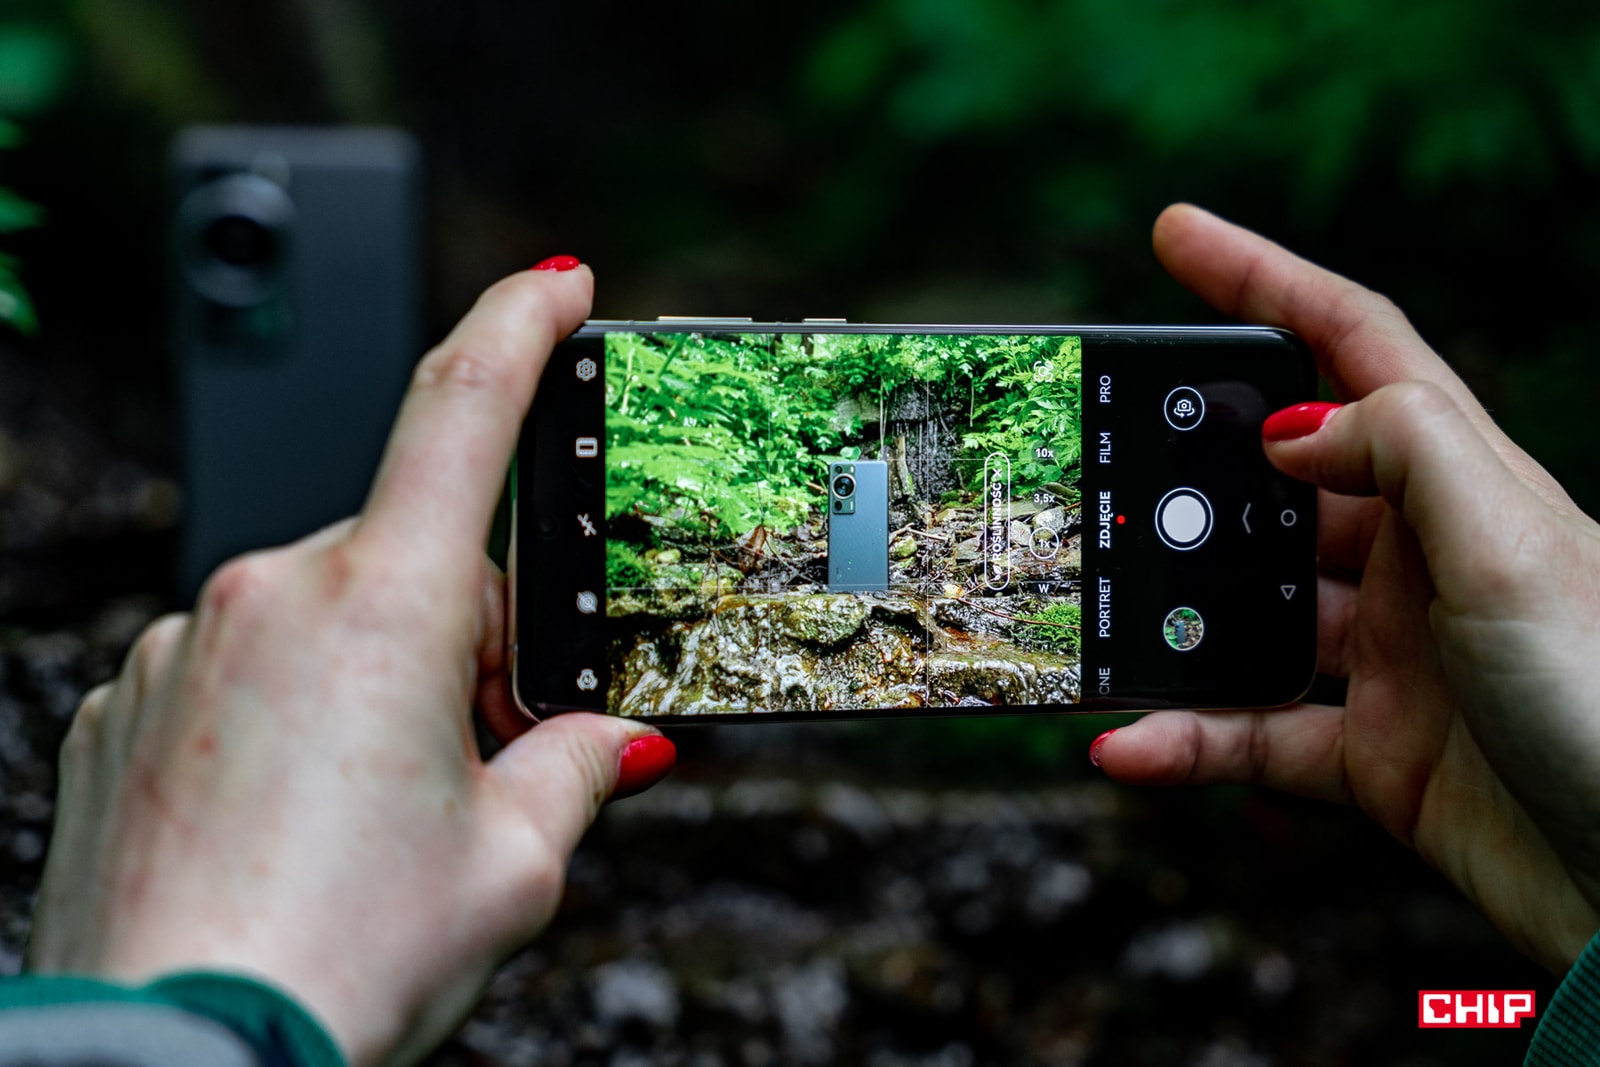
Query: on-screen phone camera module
[{"x": 843, "y": 486}]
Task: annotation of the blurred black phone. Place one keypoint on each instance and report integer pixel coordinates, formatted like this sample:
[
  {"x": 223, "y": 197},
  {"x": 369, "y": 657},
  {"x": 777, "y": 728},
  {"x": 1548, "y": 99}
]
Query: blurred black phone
[
  {"x": 295, "y": 325},
  {"x": 1051, "y": 518}
]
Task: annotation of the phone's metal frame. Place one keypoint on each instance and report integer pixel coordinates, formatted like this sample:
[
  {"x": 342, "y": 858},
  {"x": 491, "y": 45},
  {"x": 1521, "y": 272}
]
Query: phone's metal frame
[{"x": 1154, "y": 336}]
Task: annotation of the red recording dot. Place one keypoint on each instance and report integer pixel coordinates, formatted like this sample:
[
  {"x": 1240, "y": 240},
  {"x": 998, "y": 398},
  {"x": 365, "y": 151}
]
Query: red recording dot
[{"x": 1121, "y": 519}]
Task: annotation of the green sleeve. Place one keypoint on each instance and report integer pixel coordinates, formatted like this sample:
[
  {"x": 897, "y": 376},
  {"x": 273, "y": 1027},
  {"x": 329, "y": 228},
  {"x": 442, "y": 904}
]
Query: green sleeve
[
  {"x": 268, "y": 1019},
  {"x": 1569, "y": 1029}
]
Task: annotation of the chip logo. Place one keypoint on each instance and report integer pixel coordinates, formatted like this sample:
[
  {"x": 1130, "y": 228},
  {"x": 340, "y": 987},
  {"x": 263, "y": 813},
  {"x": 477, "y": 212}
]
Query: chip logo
[{"x": 1473, "y": 1009}]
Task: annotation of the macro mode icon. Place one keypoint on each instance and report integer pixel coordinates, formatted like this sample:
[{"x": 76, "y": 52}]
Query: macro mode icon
[{"x": 1473, "y": 1009}]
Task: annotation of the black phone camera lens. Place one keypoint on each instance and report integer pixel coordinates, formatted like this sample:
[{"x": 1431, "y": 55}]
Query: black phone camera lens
[
  {"x": 234, "y": 239},
  {"x": 240, "y": 241},
  {"x": 843, "y": 486}
]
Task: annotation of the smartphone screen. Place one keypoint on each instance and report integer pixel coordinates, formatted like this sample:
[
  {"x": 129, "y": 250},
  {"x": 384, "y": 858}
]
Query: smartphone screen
[{"x": 718, "y": 519}]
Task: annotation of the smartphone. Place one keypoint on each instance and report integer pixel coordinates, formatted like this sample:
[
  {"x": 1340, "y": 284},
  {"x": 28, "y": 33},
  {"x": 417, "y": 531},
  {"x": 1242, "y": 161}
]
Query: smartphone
[
  {"x": 858, "y": 526},
  {"x": 295, "y": 325},
  {"x": 724, "y": 520}
]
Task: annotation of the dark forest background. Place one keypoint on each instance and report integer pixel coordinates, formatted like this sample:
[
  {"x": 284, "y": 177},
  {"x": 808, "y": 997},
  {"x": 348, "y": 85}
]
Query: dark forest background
[{"x": 955, "y": 160}]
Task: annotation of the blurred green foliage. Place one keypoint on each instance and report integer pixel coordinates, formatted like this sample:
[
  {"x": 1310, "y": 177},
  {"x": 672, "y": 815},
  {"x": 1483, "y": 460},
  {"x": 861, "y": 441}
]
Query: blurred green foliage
[
  {"x": 33, "y": 61},
  {"x": 1437, "y": 91},
  {"x": 721, "y": 434}
]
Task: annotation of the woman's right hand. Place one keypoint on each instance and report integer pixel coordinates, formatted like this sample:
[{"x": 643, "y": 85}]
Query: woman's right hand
[{"x": 1460, "y": 597}]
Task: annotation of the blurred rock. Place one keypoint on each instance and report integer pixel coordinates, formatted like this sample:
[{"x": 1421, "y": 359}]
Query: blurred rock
[
  {"x": 50, "y": 664},
  {"x": 27, "y": 846},
  {"x": 1230, "y": 1052},
  {"x": 1272, "y": 977},
  {"x": 809, "y": 1003},
  {"x": 1056, "y": 885},
  {"x": 954, "y": 1054},
  {"x": 1181, "y": 951},
  {"x": 635, "y": 990},
  {"x": 742, "y": 997},
  {"x": 855, "y": 809},
  {"x": 16, "y": 751}
]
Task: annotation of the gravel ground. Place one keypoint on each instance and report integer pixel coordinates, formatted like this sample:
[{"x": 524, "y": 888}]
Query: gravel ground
[{"x": 805, "y": 895}]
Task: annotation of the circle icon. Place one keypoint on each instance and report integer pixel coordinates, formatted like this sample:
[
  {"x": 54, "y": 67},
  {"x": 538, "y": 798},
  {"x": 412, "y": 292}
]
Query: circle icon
[
  {"x": 1045, "y": 544},
  {"x": 587, "y": 369},
  {"x": 588, "y": 603},
  {"x": 587, "y": 680},
  {"x": 1183, "y": 629},
  {"x": 1288, "y": 518},
  {"x": 1183, "y": 519},
  {"x": 1184, "y": 408}
]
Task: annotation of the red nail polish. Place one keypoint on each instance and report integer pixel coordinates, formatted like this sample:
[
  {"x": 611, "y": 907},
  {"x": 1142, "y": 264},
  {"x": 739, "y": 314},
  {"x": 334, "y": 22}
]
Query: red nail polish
[
  {"x": 1094, "y": 746},
  {"x": 645, "y": 762},
  {"x": 558, "y": 263},
  {"x": 1298, "y": 420}
]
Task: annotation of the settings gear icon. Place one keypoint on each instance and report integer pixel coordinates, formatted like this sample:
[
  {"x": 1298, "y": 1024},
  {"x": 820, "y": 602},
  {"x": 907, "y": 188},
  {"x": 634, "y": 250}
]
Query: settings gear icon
[{"x": 587, "y": 369}]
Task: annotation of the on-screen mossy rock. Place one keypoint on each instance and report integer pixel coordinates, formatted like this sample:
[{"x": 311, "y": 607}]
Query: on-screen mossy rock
[
  {"x": 1016, "y": 677},
  {"x": 832, "y": 652},
  {"x": 819, "y": 619}
]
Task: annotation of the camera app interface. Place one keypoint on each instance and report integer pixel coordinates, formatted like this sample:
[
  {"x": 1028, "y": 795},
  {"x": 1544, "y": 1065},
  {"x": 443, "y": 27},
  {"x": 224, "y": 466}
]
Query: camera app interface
[
  {"x": 828, "y": 522},
  {"x": 841, "y": 521}
]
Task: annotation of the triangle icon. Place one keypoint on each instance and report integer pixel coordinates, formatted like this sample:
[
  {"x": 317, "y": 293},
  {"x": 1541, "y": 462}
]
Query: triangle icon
[{"x": 1287, "y": 590}]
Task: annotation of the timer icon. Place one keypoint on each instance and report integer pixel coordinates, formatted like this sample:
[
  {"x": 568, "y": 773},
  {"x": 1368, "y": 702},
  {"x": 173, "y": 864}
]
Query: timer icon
[{"x": 587, "y": 369}]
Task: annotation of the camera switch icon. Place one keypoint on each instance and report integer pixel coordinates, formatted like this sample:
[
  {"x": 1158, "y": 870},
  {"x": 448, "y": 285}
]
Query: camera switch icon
[
  {"x": 586, "y": 447},
  {"x": 588, "y": 603},
  {"x": 1184, "y": 408}
]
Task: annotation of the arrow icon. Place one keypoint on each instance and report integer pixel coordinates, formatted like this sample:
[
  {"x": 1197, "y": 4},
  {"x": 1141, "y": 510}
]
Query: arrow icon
[
  {"x": 1287, "y": 590},
  {"x": 1247, "y": 519}
]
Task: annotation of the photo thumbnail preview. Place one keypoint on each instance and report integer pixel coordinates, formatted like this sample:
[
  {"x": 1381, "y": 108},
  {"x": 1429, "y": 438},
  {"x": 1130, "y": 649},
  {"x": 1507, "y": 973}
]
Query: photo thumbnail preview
[{"x": 817, "y": 522}]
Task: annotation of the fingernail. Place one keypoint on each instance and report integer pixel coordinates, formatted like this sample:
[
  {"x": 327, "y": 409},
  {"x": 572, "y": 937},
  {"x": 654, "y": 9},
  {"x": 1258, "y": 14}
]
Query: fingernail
[
  {"x": 1298, "y": 420},
  {"x": 1094, "y": 747},
  {"x": 645, "y": 762},
  {"x": 558, "y": 263}
]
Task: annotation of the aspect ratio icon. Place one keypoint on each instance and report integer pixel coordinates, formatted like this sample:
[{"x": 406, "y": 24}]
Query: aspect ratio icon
[
  {"x": 1183, "y": 519},
  {"x": 1184, "y": 408}
]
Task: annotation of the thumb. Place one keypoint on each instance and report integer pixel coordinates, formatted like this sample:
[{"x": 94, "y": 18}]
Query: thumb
[
  {"x": 1411, "y": 444},
  {"x": 560, "y": 772}
]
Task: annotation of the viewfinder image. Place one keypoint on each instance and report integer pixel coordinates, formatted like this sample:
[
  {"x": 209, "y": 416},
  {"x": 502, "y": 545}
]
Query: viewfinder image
[{"x": 831, "y": 522}]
